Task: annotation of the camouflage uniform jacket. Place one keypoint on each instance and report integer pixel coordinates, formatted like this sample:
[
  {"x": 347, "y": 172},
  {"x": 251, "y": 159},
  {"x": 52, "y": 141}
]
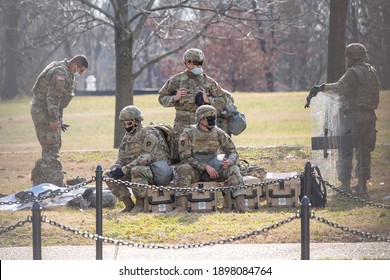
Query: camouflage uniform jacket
[
  {"x": 53, "y": 90},
  {"x": 360, "y": 85},
  {"x": 186, "y": 104},
  {"x": 197, "y": 147},
  {"x": 144, "y": 147}
]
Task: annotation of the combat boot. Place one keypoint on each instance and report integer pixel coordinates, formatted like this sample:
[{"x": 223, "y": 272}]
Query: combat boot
[
  {"x": 361, "y": 186},
  {"x": 139, "y": 206},
  {"x": 182, "y": 204},
  {"x": 346, "y": 186},
  {"x": 129, "y": 204},
  {"x": 241, "y": 207}
]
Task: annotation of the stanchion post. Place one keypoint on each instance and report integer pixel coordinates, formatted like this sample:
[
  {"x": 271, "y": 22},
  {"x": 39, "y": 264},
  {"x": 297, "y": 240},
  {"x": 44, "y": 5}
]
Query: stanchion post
[
  {"x": 99, "y": 212},
  {"x": 36, "y": 231},
  {"x": 307, "y": 180},
  {"x": 305, "y": 228}
]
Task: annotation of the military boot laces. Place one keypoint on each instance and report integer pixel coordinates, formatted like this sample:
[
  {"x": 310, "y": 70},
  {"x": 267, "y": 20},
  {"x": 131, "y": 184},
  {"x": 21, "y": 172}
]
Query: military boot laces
[
  {"x": 129, "y": 205},
  {"x": 241, "y": 207},
  {"x": 139, "y": 206},
  {"x": 345, "y": 186},
  {"x": 182, "y": 205},
  {"x": 360, "y": 187}
]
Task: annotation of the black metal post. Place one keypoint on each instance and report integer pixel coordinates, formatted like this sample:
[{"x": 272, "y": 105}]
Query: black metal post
[
  {"x": 305, "y": 228},
  {"x": 36, "y": 231},
  {"x": 99, "y": 212},
  {"x": 307, "y": 180}
]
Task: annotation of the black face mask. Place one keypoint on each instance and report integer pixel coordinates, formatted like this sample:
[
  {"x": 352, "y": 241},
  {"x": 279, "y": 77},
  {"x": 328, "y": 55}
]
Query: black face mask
[
  {"x": 132, "y": 128},
  {"x": 129, "y": 128},
  {"x": 211, "y": 121}
]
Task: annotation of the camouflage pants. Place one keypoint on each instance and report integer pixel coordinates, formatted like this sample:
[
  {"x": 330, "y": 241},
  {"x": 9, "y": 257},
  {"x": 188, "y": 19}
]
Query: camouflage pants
[
  {"x": 362, "y": 126},
  {"x": 48, "y": 169},
  {"x": 186, "y": 175},
  {"x": 140, "y": 175},
  {"x": 50, "y": 139}
]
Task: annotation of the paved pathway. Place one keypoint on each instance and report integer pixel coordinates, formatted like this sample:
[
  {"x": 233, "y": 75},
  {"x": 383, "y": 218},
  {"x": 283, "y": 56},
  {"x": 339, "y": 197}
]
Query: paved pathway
[{"x": 285, "y": 251}]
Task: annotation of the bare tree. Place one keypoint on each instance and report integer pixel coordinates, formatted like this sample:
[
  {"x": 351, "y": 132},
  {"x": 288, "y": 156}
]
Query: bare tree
[
  {"x": 151, "y": 25},
  {"x": 336, "y": 41}
]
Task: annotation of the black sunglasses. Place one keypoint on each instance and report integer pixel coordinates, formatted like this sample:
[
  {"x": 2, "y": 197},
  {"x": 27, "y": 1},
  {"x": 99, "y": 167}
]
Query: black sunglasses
[{"x": 196, "y": 63}]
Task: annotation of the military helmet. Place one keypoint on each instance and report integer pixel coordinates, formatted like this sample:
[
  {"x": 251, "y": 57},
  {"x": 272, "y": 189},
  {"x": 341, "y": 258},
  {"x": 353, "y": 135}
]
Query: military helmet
[
  {"x": 205, "y": 111},
  {"x": 129, "y": 113},
  {"x": 193, "y": 55},
  {"x": 356, "y": 51}
]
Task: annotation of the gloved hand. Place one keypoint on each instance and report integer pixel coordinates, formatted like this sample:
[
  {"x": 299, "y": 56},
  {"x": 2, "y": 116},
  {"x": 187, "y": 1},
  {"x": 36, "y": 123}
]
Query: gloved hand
[
  {"x": 64, "y": 127},
  {"x": 117, "y": 173},
  {"x": 199, "y": 98},
  {"x": 313, "y": 93}
]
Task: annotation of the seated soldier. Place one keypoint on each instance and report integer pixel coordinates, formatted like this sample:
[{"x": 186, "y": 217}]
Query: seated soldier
[
  {"x": 140, "y": 147},
  {"x": 200, "y": 143}
]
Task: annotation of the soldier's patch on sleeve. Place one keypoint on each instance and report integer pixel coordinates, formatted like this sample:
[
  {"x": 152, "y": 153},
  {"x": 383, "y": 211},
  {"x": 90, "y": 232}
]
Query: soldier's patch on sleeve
[
  {"x": 182, "y": 140},
  {"x": 149, "y": 143},
  {"x": 60, "y": 81}
]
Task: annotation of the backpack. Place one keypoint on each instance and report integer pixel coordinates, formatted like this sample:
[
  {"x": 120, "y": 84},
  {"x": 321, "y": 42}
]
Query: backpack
[
  {"x": 170, "y": 137},
  {"x": 317, "y": 194},
  {"x": 237, "y": 120}
]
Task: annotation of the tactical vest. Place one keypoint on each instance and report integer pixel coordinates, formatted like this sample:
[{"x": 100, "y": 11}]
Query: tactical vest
[
  {"x": 367, "y": 92},
  {"x": 134, "y": 145},
  {"x": 205, "y": 145},
  {"x": 187, "y": 102}
]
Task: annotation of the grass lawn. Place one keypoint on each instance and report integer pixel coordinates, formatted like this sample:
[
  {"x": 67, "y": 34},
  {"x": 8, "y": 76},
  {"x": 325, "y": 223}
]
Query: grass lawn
[{"x": 277, "y": 139}]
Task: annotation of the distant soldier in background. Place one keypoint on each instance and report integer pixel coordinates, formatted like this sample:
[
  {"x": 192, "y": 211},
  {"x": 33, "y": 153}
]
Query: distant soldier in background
[
  {"x": 188, "y": 90},
  {"x": 140, "y": 148},
  {"x": 52, "y": 92},
  {"x": 199, "y": 145},
  {"x": 360, "y": 88}
]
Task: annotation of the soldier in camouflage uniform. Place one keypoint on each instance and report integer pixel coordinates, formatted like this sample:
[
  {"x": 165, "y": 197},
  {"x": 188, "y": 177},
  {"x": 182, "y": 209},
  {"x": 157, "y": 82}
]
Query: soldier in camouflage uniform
[
  {"x": 200, "y": 143},
  {"x": 140, "y": 147},
  {"x": 52, "y": 92},
  {"x": 188, "y": 90},
  {"x": 360, "y": 88}
]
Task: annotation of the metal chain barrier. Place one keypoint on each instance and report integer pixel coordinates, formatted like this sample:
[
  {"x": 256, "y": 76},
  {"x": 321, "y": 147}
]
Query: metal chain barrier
[
  {"x": 352, "y": 197},
  {"x": 367, "y": 235},
  {"x": 170, "y": 246},
  {"x": 18, "y": 224},
  {"x": 169, "y": 188},
  {"x": 51, "y": 194}
]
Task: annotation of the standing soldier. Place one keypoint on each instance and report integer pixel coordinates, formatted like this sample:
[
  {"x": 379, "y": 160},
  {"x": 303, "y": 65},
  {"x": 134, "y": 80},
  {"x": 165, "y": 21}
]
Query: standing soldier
[
  {"x": 201, "y": 143},
  {"x": 360, "y": 88},
  {"x": 140, "y": 147},
  {"x": 52, "y": 92},
  {"x": 188, "y": 90}
]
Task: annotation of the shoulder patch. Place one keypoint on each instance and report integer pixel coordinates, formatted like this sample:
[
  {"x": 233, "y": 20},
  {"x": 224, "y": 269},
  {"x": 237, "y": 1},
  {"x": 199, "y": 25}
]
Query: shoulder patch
[{"x": 60, "y": 78}]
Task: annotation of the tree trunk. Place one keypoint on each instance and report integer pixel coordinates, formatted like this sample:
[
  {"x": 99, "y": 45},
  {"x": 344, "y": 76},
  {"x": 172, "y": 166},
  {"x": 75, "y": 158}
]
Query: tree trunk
[
  {"x": 336, "y": 42},
  {"x": 124, "y": 77},
  {"x": 11, "y": 53},
  {"x": 385, "y": 83}
]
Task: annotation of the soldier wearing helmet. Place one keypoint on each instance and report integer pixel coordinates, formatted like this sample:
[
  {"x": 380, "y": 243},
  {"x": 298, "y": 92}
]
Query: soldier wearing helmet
[
  {"x": 140, "y": 147},
  {"x": 188, "y": 90},
  {"x": 358, "y": 89},
  {"x": 199, "y": 144}
]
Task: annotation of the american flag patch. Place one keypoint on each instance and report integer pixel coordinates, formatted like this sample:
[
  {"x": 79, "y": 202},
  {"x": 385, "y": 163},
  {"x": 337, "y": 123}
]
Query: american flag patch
[{"x": 60, "y": 78}]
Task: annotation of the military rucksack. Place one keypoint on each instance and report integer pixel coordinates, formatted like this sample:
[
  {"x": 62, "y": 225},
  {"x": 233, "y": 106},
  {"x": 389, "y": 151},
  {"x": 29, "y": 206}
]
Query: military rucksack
[{"x": 170, "y": 137}]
